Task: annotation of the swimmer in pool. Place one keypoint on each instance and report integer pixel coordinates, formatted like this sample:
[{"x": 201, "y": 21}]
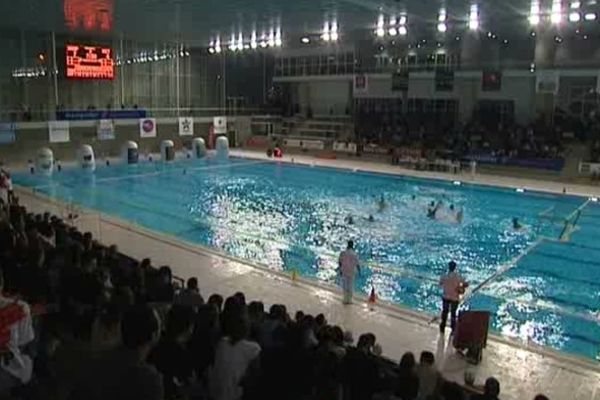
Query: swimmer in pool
[
  {"x": 433, "y": 209},
  {"x": 381, "y": 204},
  {"x": 516, "y": 224},
  {"x": 460, "y": 216}
]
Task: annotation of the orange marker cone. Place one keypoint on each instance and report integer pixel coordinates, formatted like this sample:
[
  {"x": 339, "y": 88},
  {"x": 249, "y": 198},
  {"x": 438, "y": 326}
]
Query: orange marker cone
[{"x": 372, "y": 298}]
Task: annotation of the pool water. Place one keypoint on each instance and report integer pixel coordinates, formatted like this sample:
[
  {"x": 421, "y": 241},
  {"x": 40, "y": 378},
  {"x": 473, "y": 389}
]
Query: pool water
[{"x": 297, "y": 217}]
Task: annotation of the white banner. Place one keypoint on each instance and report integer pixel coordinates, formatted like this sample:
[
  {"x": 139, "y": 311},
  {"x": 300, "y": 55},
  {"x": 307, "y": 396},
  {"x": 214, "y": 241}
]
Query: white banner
[
  {"x": 58, "y": 131},
  {"x": 547, "y": 82},
  {"x": 186, "y": 126},
  {"x": 220, "y": 124},
  {"x": 147, "y": 127},
  {"x": 106, "y": 129}
]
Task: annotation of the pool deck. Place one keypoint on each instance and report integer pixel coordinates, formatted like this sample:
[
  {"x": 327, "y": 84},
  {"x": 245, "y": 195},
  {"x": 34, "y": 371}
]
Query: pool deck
[{"x": 523, "y": 370}]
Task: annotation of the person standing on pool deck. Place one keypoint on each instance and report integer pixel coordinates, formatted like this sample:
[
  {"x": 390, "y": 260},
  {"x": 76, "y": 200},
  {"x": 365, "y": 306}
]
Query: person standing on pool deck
[
  {"x": 348, "y": 265},
  {"x": 453, "y": 285}
]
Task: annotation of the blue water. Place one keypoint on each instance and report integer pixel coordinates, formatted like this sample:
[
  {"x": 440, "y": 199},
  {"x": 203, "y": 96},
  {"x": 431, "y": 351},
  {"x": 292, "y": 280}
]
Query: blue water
[{"x": 295, "y": 217}]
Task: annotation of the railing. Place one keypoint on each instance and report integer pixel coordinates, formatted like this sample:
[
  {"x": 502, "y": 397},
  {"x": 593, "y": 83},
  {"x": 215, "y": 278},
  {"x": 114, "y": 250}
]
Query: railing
[{"x": 37, "y": 115}]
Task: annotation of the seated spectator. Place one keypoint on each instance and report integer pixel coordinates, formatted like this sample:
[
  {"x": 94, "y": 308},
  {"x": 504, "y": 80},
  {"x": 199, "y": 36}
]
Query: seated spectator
[
  {"x": 491, "y": 390},
  {"x": 170, "y": 356},
  {"x": 236, "y": 359},
  {"x": 361, "y": 370},
  {"x": 407, "y": 382},
  {"x": 160, "y": 287},
  {"x": 430, "y": 378},
  {"x": 216, "y": 300},
  {"x": 123, "y": 373},
  {"x": 190, "y": 296},
  {"x": 17, "y": 366}
]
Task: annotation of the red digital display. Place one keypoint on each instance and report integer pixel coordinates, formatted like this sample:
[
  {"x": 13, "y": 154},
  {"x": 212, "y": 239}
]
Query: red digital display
[{"x": 90, "y": 62}]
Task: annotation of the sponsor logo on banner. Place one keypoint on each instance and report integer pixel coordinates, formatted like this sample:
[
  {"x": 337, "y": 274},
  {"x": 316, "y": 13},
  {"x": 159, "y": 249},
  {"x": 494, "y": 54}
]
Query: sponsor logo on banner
[
  {"x": 186, "y": 126},
  {"x": 106, "y": 129},
  {"x": 220, "y": 124},
  {"x": 147, "y": 127},
  {"x": 547, "y": 82},
  {"x": 361, "y": 83},
  {"x": 8, "y": 133},
  {"x": 58, "y": 131}
]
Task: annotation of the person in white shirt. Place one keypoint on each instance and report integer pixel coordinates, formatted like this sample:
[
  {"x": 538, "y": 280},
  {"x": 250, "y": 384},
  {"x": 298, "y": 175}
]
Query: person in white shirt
[
  {"x": 235, "y": 358},
  {"x": 453, "y": 285},
  {"x": 16, "y": 367},
  {"x": 348, "y": 265}
]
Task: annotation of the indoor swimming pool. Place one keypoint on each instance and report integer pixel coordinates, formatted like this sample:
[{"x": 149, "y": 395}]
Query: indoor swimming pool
[{"x": 541, "y": 283}]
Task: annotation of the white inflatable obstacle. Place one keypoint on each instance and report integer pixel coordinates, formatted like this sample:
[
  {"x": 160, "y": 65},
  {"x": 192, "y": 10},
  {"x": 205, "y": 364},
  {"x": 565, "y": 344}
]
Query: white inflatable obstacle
[
  {"x": 222, "y": 147},
  {"x": 131, "y": 154},
  {"x": 198, "y": 148},
  {"x": 85, "y": 157},
  {"x": 167, "y": 150},
  {"x": 44, "y": 162}
]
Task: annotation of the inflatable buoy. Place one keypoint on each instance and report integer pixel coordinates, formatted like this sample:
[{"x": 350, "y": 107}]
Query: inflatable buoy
[
  {"x": 222, "y": 147},
  {"x": 45, "y": 161},
  {"x": 86, "y": 157},
  {"x": 167, "y": 150},
  {"x": 198, "y": 148},
  {"x": 131, "y": 154}
]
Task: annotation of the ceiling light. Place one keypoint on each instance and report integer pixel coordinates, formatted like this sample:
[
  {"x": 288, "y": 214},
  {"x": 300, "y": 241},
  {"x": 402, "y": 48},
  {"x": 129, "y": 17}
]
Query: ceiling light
[
  {"x": 590, "y": 17},
  {"x": 271, "y": 41},
  {"x": 474, "y": 17},
  {"x": 442, "y": 27},
  {"x": 575, "y": 4},
  {"x": 393, "y": 31},
  {"x": 534, "y": 12},
  {"x": 442, "y": 15},
  {"x": 380, "y": 21},
  {"x": 211, "y": 50},
  {"x": 278, "y": 41},
  {"x": 403, "y": 20},
  {"x": 253, "y": 43},
  {"x": 380, "y": 32},
  {"x": 556, "y": 15},
  {"x": 305, "y": 40},
  {"x": 402, "y": 30},
  {"x": 334, "y": 36},
  {"x": 574, "y": 17}
]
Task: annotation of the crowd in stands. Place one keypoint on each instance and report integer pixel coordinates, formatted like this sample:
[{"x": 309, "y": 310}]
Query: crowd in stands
[
  {"x": 87, "y": 322},
  {"x": 439, "y": 131}
]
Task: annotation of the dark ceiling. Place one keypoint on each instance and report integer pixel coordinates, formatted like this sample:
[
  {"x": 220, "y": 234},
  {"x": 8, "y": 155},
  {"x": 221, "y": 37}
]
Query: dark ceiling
[{"x": 198, "y": 21}]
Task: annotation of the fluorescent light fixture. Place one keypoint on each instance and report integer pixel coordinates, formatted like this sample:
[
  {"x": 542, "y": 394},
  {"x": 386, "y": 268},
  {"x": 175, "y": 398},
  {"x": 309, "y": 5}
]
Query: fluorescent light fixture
[
  {"x": 574, "y": 17},
  {"x": 305, "y": 40},
  {"x": 333, "y": 34},
  {"x": 380, "y": 32},
  {"x": 403, "y": 20},
  {"x": 325, "y": 35},
  {"x": 278, "y": 41},
  {"x": 590, "y": 17},
  {"x": 402, "y": 30},
  {"x": 271, "y": 41},
  {"x": 556, "y": 14},
  {"x": 442, "y": 15},
  {"x": 442, "y": 27},
  {"x": 575, "y": 5},
  {"x": 253, "y": 43},
  {"x": 474, "y": 17},
  {"x": 393, "y": 31}
]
